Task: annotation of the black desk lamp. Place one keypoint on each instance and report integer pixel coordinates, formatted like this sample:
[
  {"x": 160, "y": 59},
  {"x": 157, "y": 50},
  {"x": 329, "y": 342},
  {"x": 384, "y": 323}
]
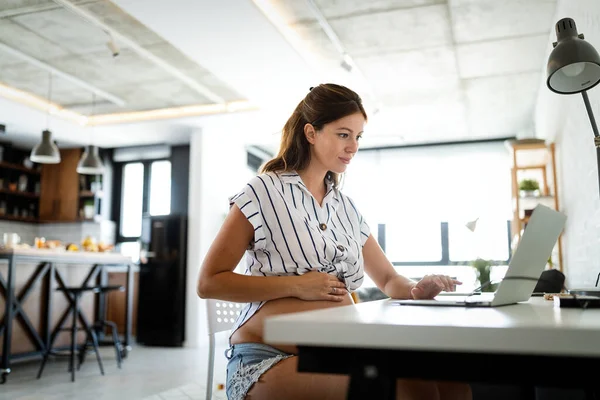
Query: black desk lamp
[{"x": 574, "y": 67}]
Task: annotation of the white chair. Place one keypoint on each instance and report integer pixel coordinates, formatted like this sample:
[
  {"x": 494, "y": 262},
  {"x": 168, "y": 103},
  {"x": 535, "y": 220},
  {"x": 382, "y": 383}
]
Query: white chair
[{"x": 221, "y": 316}]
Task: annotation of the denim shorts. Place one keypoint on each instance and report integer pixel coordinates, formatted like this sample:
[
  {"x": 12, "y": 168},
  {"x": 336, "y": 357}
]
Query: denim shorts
[{"x": 247, "y": 362}]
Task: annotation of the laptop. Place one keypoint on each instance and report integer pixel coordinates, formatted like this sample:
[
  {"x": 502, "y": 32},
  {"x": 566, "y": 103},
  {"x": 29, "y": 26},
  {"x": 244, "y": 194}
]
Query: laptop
[{"x": 526, "y": 265}]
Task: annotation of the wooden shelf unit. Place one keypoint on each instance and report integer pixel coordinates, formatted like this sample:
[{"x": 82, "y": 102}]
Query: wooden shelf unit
[
  {"x": 19, "y": 194},
  {"x": 17, "y": 167},
  {"x": 534, "y": 158},
  {"x": 19, "y": 186},
  {"x": 54, "y": 192}
]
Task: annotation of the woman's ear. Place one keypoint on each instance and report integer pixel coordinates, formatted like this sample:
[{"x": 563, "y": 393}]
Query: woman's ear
[{"x": 310, "y": 133}]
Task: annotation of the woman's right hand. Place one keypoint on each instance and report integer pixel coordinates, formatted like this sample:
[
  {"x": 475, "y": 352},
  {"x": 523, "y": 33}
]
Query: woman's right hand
[{"x": 316, "y": 285}]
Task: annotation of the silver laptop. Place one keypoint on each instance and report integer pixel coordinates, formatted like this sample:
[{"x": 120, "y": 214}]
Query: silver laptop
[{"x": 526, "y": 265}]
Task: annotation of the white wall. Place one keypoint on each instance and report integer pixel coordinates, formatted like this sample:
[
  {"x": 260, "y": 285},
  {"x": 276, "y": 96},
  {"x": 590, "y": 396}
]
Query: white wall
[
  {"x": 217, "y": 170},
  {"x": 563, "y": 118}
]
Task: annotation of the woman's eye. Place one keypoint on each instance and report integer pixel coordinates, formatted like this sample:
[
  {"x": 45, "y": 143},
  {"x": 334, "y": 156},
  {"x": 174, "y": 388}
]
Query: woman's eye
[
  {"x": 358, "y": 137},
  {"x": 343, "y": 135}
]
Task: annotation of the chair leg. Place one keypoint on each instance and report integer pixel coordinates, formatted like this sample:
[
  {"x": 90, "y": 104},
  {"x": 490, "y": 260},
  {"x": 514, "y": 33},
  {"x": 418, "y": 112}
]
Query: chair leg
[
  {"x": 117, "y": 342},
  {"x": 74, "y": 337},
  {"x": 211, "y": 361},
  {"x": 39, "y": 375},
  {"x": 95, "y": 344},
  {"x": 83, "y": 351}
]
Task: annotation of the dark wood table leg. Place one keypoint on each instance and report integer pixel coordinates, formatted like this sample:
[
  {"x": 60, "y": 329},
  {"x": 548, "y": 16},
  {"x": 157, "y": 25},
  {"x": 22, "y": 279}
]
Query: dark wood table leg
[
  {"x": 48, "y": 322},
  {"x": 102, "y": 280},
  {"x": 8, "y": 319},
  {"x": 128, "y": 310}
]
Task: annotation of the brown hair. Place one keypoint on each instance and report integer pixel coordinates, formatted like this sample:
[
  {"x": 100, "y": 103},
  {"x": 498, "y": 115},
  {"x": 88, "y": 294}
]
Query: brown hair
[{"x": 323, "y": 104}]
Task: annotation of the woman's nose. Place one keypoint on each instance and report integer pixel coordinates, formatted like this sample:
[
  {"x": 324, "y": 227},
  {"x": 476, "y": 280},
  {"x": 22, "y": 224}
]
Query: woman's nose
[{"x": 353, "y": 147}]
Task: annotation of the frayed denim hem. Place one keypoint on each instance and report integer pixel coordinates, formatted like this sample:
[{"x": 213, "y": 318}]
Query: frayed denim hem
[
  {"x": 247, "y": 363},
  {"x": 246, "y": 376}
]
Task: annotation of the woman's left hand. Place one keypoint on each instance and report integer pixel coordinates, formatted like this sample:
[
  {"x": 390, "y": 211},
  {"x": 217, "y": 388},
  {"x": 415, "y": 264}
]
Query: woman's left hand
[{"x": 431, "y": 285}]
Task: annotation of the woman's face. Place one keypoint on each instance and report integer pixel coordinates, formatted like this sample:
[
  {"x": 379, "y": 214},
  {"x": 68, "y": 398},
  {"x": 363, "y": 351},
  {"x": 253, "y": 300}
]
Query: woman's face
[{"x": 336, "y": 143}]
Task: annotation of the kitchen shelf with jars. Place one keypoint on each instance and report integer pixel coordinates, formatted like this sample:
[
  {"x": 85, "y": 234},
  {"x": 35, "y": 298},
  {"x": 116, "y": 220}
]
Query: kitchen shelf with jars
[
  {"x": 90, "y": 197},
  {"x": 20, "y": 185},
  {"x": 36, "y": 193}
]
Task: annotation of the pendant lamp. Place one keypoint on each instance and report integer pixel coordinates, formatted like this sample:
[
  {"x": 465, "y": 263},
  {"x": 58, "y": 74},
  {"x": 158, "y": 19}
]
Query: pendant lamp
[
  {"x": 91, "y": 163},
  {"x": 46, "y": 152}
]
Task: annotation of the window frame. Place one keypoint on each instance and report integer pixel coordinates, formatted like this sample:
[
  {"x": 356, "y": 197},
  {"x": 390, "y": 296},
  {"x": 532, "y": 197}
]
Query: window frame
[
  {"x": 445, "y": 256},
  {"x": 118, "y": 194}
]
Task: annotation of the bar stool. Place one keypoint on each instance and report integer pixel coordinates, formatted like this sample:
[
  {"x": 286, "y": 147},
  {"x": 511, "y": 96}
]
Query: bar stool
[
  {"x": 75, "y": 293},
  {"x": 99, "y": 326}
]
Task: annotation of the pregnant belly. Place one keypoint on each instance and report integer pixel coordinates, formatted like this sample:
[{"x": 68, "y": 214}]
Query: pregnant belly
[{"x": 252, "y": 330}]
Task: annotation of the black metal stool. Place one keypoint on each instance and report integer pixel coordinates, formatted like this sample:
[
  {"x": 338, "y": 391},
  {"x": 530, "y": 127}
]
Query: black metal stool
[
  {"x": 75, "y": 294},
  {"x": 101, "y": 324}
]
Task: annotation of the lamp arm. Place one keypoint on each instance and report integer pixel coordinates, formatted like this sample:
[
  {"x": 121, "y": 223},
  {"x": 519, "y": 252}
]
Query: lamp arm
[{"x": 588, "y": 107}]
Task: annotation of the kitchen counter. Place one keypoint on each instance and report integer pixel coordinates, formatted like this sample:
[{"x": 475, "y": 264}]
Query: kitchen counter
[
  {"x": 63, "y": 256},
  {"x": 40, "y": 272}
]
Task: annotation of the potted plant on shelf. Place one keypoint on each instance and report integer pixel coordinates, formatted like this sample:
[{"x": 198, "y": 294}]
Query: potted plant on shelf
[
  {"x": 529, "y": 188},
  {"x": 88, "y": 209},
  {"x": 483, "y": 269}
]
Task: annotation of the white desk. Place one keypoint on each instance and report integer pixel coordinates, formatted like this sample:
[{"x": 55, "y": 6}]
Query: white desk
[{"x": 375, "y": 342}]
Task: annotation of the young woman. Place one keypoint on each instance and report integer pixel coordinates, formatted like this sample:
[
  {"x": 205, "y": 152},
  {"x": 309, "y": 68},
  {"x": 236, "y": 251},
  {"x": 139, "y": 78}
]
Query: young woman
[{"x": 307, "y": 247}]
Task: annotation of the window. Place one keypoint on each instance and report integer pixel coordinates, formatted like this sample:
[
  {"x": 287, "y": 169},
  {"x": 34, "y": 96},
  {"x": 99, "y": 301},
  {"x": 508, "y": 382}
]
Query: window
[
  {"x": 145, "y": 189},
  {"x": 489, "y": 240},
  {"x": 411, "y": 240},
  {"x": 132, "y": 200},
  {"x": 160, "y": 188},
  {"x": 421, "y": 197}
]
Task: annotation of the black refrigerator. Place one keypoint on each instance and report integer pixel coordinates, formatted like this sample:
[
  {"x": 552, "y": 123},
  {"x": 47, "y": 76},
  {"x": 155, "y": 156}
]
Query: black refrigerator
[{"x": 161, "y": 295}]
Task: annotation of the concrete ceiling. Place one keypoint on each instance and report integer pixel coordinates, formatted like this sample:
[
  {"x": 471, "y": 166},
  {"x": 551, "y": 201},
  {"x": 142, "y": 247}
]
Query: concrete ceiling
[
  {"x": 439, "y": 70},
  {"x": 63, "y": 40},
  {"x": 428, "y": 70}
]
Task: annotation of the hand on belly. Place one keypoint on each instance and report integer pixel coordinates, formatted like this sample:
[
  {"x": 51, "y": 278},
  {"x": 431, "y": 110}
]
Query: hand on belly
[{"x": 317, "y": 286}]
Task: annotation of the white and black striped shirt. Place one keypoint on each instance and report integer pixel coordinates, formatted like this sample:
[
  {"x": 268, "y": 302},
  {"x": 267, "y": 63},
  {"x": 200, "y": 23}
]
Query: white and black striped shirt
[{"x": 294, "y": 235}]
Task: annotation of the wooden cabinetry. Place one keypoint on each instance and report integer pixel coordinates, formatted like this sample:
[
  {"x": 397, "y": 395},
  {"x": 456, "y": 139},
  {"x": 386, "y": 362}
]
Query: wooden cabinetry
[
  {"x": 116, "y": 301},
  {"x": 59, "y": 198},
  {"x": 533, "y": 159}
]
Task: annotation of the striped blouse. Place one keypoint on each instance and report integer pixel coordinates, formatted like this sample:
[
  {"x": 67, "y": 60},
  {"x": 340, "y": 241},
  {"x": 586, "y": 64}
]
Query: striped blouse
[{"x": 294, "y": 235}]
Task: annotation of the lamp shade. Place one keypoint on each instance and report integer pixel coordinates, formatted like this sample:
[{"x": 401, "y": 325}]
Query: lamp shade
[
  {"x": 45, "y": 152},
  {"x": 472, "y": 225},
  {"x": 574, "y": 64},
  {"x": 90, "y": 163}
]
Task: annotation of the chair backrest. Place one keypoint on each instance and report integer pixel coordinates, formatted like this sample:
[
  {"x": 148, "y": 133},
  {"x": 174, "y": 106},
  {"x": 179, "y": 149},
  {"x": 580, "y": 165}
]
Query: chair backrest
[
  {"x": 221, "y": 314},
  {"x": 551, "y": 281}
]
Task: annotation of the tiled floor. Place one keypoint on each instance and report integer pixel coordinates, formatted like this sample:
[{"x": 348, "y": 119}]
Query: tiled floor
[{"x": 149, "y": 373}]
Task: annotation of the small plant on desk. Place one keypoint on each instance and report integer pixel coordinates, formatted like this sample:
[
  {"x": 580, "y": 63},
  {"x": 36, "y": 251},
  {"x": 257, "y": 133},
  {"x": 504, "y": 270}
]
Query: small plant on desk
[{"x": 483, "y": 269}]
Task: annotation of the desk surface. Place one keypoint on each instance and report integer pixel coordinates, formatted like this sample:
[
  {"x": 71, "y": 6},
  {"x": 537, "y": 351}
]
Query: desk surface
[
  {"x": 533, "y": 327},
  {"x": 63, "y": 256}
]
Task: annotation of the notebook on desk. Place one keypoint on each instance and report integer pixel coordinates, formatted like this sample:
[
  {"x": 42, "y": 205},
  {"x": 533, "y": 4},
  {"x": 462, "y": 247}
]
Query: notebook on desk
[{"x": 525, "y": 267}]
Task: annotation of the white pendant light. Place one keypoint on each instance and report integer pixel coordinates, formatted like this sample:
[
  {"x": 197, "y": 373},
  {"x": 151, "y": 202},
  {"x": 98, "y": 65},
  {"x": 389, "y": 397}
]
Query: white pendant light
[
  {"x": 46, "y": 152},
  {"x": 90, "y": 163}
]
